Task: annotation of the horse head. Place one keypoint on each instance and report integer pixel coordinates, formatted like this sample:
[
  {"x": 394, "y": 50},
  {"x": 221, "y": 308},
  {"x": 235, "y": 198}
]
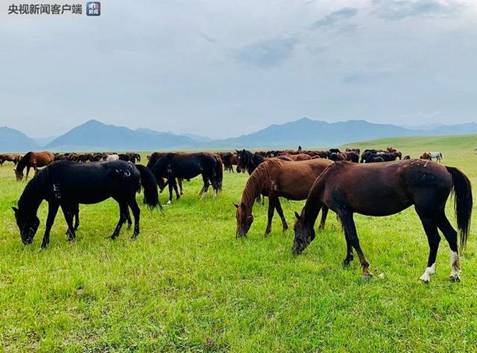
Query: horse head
[
  {"x": 27, "y": 224},
  {"x": 304, "y": 234},
  {"x": 244, "y": 219}
]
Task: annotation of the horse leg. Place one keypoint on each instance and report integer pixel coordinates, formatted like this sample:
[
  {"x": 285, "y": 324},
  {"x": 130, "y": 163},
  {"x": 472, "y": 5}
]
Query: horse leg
[
  {"x": 76, "y": 216},
  {"x": 433, "y": 239},
  {"x": 176, "y": 190},
  {"x": 135, "y": 210},
  {"x": 128, "y": 218},
  {"x": 352, "y": 236},
  {"x": 324, "y": 213},
  {"x": 69, "y": 213},
  {"x": 278, "y": 206},
  {"x": 180, "y": 186},
  {"x": 451, "y": 236},
  {"x": 122, "y": 218},
  {"x": 205, "y": 188},
  {"x": 171, "y": 183},
  {"x": 271, "y": 209},
  {"x": 52, "y": 210}
]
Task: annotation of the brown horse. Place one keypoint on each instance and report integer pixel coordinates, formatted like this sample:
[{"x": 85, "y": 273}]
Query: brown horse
[
  {"x": 278, "y": 178},
  {"x": 426, "y": 155},
  {"x": 295, "y": 157},
  {"x": 9, "y": 157},
  {"x": 383, "y": 189},
  {"x": 33, "y": 160}
]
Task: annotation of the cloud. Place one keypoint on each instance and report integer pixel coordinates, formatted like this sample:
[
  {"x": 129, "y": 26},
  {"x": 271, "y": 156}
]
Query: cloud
[
  {"x": 335, "y": 17},
  {"x": 267, "y": 53},
  {"x": 401, "y": 9},
  {"x": 364, "y": 76}
]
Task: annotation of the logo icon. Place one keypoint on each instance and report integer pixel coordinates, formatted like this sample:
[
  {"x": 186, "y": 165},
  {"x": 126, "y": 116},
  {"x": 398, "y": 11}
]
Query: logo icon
[{"x": 93, "y": 8}]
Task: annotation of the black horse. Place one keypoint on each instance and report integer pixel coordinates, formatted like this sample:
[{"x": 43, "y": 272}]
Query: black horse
[
  {"x": 177, "y": 166},
  {"x": 248, "y": 160},
  {"x": 66, "y": 184}
]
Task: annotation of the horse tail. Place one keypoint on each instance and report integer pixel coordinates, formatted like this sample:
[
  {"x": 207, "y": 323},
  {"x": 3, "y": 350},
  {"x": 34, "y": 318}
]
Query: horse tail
[
  {"x": 463, "y": 202},
  {"x": 219, "y": 173},
  {"x": 149, "y": 183}
]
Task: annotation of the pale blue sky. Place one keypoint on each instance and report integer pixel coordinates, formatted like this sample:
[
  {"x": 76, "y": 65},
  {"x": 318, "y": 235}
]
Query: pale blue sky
[{"x": 222, "y": 68}]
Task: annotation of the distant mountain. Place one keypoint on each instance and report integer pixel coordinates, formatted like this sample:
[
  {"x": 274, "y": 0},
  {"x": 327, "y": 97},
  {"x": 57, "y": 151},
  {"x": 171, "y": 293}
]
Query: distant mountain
[
  {"x": 94, "y": 135},
  {"x": 314, "y": 133},
  {"x": 12, "y": 140}
]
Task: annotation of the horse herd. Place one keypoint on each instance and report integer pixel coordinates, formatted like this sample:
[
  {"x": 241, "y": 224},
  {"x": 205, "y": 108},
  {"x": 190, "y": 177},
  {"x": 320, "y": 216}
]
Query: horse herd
[{"x": 330, "y": 179}]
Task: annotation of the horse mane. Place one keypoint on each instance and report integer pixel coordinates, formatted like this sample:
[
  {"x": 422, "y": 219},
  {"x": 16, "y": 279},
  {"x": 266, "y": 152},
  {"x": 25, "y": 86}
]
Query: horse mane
[
  {"x": 33, "y": 193},
  {"x": 258, "y": 180},
  {"x": 22, "y": 162}
]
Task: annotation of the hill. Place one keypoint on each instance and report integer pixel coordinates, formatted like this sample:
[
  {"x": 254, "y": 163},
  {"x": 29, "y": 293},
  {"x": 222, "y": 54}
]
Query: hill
[
  {"x": 94, "y": 135},
  {"x": 12, "y": 140},
  {"x": 315, "y": 133}
]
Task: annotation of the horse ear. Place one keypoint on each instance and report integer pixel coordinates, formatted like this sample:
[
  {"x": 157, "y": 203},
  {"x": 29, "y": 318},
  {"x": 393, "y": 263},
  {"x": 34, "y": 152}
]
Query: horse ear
[
  {"x": 297, "y": 215},
  {"x": 236, "y": 206}
]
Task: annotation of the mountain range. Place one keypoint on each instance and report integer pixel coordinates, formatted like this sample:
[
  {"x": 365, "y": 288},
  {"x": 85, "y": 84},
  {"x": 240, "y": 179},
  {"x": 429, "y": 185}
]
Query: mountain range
[{"x": 94, "y": 135}]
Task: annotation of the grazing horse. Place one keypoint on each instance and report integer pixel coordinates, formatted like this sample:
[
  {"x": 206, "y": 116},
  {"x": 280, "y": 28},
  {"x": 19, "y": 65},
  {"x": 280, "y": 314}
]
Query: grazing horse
[
  {"x": 33, "y": 160},
  {"x": 437, "y": 156},
  {"x": 111, "y": 157},
  {"x": 187, "y": 166},
  {"x": 425, "y": 155},
  {"x": 384, "y": 189},
  {"x": 228, "y": 160},
  {"x": 296, "y": 157},
  {"x": 9, "y": 157},
  {"x": 66, "y": 184},
  {"x": 278, "y": 178},
  {"x": 248, "y": 161}
]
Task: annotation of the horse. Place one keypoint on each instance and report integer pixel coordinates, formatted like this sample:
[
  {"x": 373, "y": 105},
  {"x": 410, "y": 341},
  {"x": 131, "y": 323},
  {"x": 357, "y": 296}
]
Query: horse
[
  {"x": 426, "y": 156},
  {"x": 248, "y": 161},
  {"x": 130, "y": 157},
  {"x": 296, "y": 157},
  {"x": 33, "y": 160},
  {"x": 111, "y": 157},
  {"x": 437, "y": 156},
  {"x": 9, "y": 157},
  {"x": 187, "y": 166},
  {"x": 384, "y": 189},
  {"x": 66, "y": 184},
  {"x": 380, "y": 156},
  {"x": 228, "y": 159},
  {"x": 278, "y": 178}
]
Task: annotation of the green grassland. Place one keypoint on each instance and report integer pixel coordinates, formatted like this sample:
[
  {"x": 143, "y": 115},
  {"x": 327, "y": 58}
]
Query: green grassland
[{"x": 187, "y": 285}]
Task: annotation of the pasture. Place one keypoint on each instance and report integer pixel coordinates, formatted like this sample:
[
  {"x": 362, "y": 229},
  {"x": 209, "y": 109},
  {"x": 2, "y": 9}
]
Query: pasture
[{"x": 187, "y": 285}]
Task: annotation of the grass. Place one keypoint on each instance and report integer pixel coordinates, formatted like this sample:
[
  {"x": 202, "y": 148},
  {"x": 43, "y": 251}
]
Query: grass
[{"x": 187, "y": 285}]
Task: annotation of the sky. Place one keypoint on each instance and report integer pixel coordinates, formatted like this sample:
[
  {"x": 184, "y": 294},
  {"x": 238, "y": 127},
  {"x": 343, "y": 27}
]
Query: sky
[{"x": 222, "y": 68}]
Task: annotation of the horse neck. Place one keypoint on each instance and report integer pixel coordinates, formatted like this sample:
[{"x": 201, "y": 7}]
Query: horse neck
[
  {"x": 22, "y": 162},
  {"x": 252, "y": 190},
  {"x": 314, "y": 202},
  {"x": 33, "y": 194}
]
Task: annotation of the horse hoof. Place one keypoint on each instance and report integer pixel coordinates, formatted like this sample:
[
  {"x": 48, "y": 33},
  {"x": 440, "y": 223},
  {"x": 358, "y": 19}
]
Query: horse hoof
[
  {"x": 346, "y": 263},
  {"x": 454, "y": 278},
  {"x": 425, "y": 279}
]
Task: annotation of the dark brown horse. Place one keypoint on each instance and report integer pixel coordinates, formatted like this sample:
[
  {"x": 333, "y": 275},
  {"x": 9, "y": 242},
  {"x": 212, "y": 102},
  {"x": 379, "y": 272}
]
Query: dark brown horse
[
  {"x": 33, "y": 160},
  {"x": 384, "y": 189},
  {"x": 9, "y": 157},
  {"x": 278, "y": 178}
]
